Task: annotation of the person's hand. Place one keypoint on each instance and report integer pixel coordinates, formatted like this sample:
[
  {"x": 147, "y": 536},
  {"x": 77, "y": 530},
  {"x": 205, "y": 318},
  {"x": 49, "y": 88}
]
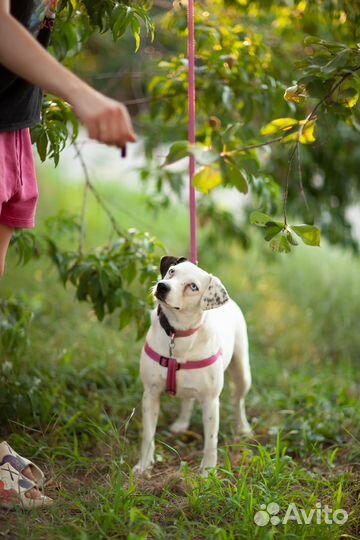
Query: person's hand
[{"x": 106, "y": 120}]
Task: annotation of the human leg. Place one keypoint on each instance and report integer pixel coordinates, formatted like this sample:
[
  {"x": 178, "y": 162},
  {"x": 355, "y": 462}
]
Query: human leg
[
  {"x": 5, "y": 237},
  {"x": 18, "y": 199}
]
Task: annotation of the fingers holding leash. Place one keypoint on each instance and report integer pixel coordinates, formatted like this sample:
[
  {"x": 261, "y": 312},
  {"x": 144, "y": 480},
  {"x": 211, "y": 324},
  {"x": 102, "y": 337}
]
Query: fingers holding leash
[{"x": 106, "y": 120}]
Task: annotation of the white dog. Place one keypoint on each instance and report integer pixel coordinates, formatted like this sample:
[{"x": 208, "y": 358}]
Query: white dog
[{"x": 195, "y": 333}]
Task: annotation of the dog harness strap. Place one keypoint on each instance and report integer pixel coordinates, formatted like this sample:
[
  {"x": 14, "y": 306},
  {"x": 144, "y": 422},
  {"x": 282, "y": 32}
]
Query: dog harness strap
[
  {"x": 173, "y": 365},
  {"x": 172, "y": 368}
]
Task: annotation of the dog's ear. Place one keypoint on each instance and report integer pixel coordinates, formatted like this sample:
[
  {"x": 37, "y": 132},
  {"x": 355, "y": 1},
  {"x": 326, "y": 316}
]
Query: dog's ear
[
  {"x": 168, "y": 261},
  {"x": 215, "y": 295}
]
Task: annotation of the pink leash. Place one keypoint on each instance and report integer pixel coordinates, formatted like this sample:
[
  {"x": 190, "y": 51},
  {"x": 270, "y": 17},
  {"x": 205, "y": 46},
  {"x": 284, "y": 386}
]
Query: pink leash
[
  {"x": 170, "y": 363},
  {"x": 192, "y": 129}
]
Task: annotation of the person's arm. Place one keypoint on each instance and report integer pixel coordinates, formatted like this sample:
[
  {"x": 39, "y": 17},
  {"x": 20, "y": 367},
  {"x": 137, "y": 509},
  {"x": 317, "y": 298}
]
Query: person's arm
[{"x": 106, "y": 120}]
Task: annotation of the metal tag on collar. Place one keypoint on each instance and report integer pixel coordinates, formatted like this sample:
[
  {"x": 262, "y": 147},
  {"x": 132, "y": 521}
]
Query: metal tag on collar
[{"x": 171, "y": 345}]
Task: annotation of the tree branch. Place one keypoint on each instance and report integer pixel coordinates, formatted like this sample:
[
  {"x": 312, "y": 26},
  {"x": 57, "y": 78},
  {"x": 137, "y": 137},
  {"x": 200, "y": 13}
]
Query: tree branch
[
  {"x": 99, "y": 199},
  {"x": 251, "y": 147},
  {"x": 296, "y": 148},
  {"x": 337, "y": 85},
  {"x": 302, "y": 190}
]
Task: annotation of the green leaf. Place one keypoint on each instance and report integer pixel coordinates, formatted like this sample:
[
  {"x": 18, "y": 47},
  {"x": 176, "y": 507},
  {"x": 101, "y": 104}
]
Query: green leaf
[
  {"x": 104, "y": 282},
  {"x": 129, "y": 272},
  {"x": 82, "y": 289},
  {"x": 149, "y": 26},
  {"x": 99, "y": 310},
  {"x": 41, "y": 145},
  {"x": 249, "y": 165},
  {"x": 94, "y": 289},
  {"x": 309, "y": 234},
  {"x": 259, "y": 218},
  {"x": 203, "y": 154},
  {"x": 307, "y": 134},
  {"x": 290, "y": 237},
  {"x": 26, "y": 245},
  {"x": 280, "y": 124},
  {"x": 207, "y": 178},
  {"x": 340, "y": 60},
  {"x": 317, "y": 87},
  {"x": 328, "y": 45},
  {"x": 234, "y": 176},
  {"x": 178, "y": 150},
  {"x": 280, "y": 243},
  {"x": 312, "y": 40},
  {"x": 230, "y": 132},
  {"x": 136, "y": 28},
  {"x": 119, "y": 20},
  {"x": 272, "y": 229},
  {"x": 348, "y": 98}
]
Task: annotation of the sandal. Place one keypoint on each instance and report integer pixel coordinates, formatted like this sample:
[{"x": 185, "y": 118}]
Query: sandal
[
  {"x": 13, "y": 489},
  {"x": 8, "y": 455}
]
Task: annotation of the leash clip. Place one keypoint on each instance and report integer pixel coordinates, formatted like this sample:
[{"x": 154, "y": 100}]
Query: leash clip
[{"x": 171, "y": 345}]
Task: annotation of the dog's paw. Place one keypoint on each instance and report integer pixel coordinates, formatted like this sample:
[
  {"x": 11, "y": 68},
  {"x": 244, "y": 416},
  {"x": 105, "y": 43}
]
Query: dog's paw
[
  {"x": 139, "y": 470},
  {"x": 179, "y": 427},
  {"x": 244, "y": 430},
  {"x": 205, "y": 470}
]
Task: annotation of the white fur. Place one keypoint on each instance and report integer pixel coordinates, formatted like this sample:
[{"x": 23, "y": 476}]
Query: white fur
[{"x": 222, "y": 327}]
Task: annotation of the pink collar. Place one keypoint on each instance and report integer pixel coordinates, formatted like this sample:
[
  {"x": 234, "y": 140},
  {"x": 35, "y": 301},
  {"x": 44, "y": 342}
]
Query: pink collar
[
  {"x": 185, "y": 333},
  {"x": 170, "y": 330},
  {"x": 173, "y": 365}
]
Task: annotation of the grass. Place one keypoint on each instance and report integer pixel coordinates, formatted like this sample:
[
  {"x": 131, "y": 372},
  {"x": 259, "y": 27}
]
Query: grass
[{"x": 72, "y": 401}]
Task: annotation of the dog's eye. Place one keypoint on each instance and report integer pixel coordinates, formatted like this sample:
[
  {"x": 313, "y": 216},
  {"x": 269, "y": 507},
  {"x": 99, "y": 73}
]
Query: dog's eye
[
  {"x": 171, "y": 271},
  {"x": 193, "y": 287}
]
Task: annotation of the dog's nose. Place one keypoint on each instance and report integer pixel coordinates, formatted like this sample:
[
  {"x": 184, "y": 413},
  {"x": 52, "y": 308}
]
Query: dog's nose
[{"x": 162, "y": 289}]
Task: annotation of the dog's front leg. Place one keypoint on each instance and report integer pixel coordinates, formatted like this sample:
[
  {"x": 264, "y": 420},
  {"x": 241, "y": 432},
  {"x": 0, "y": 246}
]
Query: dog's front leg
[
  {"x": 150, "y": 414},
  {"x": 210, "y": 411}
]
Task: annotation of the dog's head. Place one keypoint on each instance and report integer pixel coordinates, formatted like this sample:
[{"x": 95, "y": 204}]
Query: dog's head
[{"x": 185, "y": 286}]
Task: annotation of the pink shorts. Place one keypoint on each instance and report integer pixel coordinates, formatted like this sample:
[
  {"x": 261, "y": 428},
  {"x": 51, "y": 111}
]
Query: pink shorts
[{"x": 18, "y": 184}]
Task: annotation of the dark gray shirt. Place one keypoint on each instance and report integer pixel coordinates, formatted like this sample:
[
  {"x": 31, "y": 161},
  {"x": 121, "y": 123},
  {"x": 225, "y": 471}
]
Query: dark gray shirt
[{"x": 20, "y": 101}]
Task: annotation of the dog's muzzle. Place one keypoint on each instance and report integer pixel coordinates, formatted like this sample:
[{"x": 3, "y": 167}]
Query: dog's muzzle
[{"x": 162, "y": 290}]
